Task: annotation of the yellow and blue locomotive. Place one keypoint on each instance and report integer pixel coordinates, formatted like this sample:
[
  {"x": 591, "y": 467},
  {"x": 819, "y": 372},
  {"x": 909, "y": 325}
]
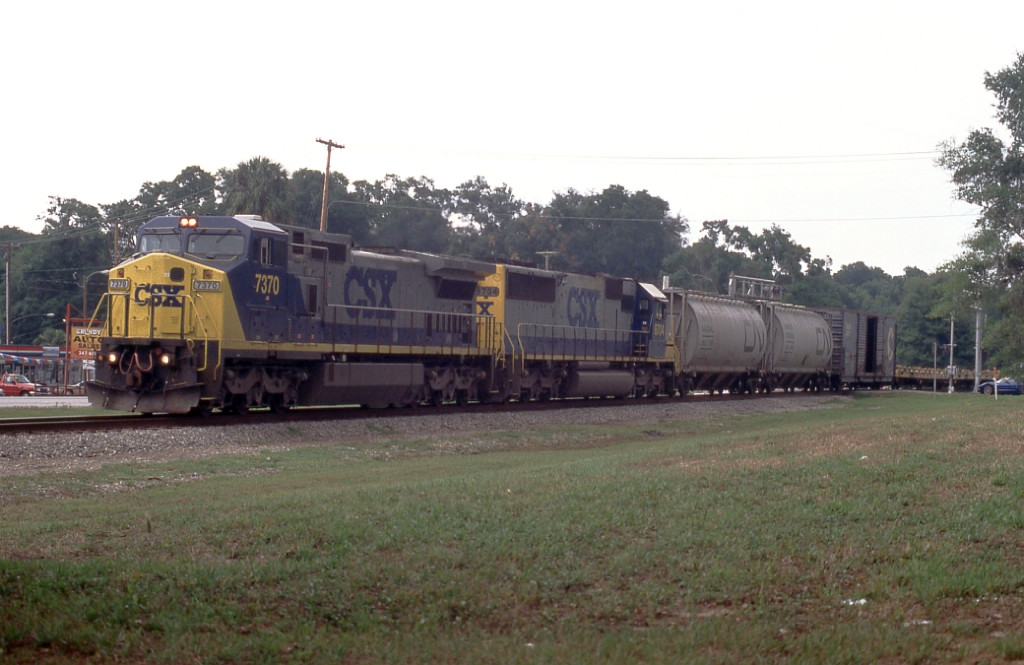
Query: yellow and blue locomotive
[
  {"x": 235, "y": 313},
  {"x": 573, "y": 335}
]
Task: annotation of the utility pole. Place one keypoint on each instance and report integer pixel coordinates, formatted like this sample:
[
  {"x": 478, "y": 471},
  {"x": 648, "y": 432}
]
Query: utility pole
[
  {"x": 951, "y": 347},
  {"x": 935, "y": 368},
  {"x": 7, "y": 294},
  {"x": 327, "y": 181},
  {"x": 117, "y": 250},
  {"x": 977, "y": 347},
  {"x": 547, "y": 258}
]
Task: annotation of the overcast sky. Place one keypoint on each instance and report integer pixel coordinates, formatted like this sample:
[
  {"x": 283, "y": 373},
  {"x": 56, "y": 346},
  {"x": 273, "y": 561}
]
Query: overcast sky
[{"x": 822, "y": 118}]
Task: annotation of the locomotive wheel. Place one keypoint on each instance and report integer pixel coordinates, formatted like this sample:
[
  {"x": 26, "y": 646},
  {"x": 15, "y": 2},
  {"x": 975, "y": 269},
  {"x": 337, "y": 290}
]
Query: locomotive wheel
[
  {"x": 277, "y": 403},
  {"x": 240, "y": 404}
]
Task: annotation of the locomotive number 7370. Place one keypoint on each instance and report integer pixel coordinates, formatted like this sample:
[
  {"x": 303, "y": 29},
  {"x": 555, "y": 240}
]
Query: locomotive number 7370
[{"x": 267, "y": 284}]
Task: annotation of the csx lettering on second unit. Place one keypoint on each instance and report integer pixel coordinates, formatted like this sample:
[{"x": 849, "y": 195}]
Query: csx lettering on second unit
[
  {"x": 582, "y": 307},
  {"x": 159, "y": 295}
]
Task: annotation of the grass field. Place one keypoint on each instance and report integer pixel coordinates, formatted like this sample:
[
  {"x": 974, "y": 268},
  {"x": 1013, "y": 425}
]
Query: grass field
[
  {"x": 889, "y": 528},
  {"x": 50, "y": 411}
]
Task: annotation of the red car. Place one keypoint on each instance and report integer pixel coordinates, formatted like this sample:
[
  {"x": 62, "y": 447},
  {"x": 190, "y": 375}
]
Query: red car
[{"x": 17, "y": 384}]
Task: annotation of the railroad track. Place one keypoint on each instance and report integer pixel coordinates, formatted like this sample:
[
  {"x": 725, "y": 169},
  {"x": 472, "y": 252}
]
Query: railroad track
[{"x": 121, "y": 421}]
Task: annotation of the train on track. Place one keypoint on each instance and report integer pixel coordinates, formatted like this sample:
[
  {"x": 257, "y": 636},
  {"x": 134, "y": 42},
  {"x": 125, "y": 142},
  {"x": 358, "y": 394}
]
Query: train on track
[{"x": 235, "y": 313}]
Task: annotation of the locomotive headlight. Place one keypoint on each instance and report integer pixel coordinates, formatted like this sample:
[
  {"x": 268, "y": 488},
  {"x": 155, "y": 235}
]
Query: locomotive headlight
[
  {"x": 112, "y": 358},
  {"x": 162, "y": 358},
  {"x": 188, "y": 222}
]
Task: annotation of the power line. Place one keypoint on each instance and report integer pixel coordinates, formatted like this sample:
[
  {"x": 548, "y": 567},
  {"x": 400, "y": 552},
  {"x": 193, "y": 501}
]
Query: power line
[
  {"x": 918, "y": 154},
  {"x": 902, "y": 218},
  {"x": 824, "y": 158},
  {"x": 660, "y": 219},
  {"x": 773, "y": 160}
]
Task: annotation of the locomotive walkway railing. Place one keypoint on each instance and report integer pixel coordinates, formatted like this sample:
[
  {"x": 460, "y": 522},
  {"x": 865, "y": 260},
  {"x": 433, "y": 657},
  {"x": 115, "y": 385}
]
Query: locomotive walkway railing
[
  {"x": 377, "y": 330},
  {"x": 550, "y": 342}
]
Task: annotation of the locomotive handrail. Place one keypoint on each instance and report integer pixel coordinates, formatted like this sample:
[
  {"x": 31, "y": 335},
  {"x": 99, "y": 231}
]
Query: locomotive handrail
[
  {"x": 97, "y": 309},
  {"x": 108, "y": 322},
  {"x": 591, "y": 344},
  {"x": 449, "y": 326},
  {"x": 512, "y": 346},
  {"x": 487, "y": 330},
  {"x": 197, "y": 324}
]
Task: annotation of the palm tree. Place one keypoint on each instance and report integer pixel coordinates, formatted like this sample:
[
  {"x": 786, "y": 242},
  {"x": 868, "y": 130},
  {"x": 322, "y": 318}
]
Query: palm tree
[{"x": 256, "y": 187}]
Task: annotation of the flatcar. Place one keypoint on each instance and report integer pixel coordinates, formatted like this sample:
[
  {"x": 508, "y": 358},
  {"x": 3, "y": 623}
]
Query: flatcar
[{"x": 938, "y": 378}]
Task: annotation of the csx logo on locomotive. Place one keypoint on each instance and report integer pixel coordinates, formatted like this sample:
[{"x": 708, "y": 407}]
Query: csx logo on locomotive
[
  {"x": 369, "y": 287},
  {"x": 582, "y": 307},
  {"x": 159, "y": 295}
]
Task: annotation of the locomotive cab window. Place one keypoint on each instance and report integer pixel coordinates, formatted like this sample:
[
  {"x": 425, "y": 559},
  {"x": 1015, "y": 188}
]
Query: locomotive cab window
[
  {"x": 269, "y": 251},
  {"x": 168, "y": 241},
  {"x": 219, "y": 246}
]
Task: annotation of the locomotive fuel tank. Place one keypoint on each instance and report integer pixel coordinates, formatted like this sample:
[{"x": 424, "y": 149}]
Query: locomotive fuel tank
[
  {"x": 375, "y": 385},
  {"x": 598, "y": 380}
]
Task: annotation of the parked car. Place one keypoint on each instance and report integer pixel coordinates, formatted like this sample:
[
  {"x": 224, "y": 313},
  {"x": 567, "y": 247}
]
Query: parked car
[
  {"x": 18, "y": 384},
  {"x": 72, "y": 389},
  {"x": 1005, "y": 386}
]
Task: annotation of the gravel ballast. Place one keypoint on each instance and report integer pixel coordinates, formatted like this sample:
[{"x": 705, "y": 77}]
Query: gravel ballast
[{"x": 68, "y": 452}]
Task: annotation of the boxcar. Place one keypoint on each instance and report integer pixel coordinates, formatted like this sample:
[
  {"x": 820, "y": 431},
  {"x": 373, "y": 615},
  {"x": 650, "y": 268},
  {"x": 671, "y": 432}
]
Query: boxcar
[{"x": 863, "y": 348}]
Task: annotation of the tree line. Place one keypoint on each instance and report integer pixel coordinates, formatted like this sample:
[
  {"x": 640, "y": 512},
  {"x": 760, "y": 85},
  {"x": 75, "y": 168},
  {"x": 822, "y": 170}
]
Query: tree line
[{"x": 614, "y": 231}]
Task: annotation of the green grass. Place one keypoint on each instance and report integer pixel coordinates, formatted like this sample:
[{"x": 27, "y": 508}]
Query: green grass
[
  {"x": 887, "y": 529},
  {"x": 50, "y": 411}
]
